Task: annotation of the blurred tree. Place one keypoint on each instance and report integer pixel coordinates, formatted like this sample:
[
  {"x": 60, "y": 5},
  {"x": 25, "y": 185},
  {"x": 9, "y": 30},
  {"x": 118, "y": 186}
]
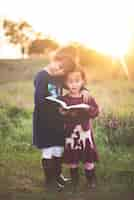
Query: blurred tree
[
  {"x": 18, "y": 33},
  {"x": 42, "y": 46}
]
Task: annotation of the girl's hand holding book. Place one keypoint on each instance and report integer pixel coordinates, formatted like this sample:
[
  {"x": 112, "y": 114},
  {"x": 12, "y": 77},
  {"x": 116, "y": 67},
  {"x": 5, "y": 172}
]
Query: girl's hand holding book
[{"x": 63, "y": 111}]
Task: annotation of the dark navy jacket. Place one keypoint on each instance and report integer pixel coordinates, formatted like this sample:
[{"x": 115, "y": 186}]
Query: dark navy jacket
[{"x": 48, "y": 125}]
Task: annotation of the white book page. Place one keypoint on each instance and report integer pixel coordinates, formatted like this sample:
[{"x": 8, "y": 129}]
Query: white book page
[
  {"x": 82, "y": 105},
  {"x": 64, "y": 105}
]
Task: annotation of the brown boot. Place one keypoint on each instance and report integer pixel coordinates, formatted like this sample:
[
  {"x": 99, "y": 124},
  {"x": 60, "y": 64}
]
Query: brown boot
[{"x": 91, "y": 178}]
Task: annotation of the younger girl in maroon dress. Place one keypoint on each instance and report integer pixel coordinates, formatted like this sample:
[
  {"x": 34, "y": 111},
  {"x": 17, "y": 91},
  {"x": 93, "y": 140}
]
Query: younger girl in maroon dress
[{"x": 79, "y": 140}]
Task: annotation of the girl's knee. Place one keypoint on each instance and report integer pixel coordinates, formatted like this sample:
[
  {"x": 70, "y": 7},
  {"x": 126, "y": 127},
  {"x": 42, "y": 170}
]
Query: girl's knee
[
  {"x": 74, "y": 165},
  {"x": 89, "y": 165}
]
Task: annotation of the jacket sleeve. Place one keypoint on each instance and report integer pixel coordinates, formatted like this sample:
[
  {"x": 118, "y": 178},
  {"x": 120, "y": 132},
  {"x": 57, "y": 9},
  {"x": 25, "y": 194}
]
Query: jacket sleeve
[{"x": 41, "y": 90}]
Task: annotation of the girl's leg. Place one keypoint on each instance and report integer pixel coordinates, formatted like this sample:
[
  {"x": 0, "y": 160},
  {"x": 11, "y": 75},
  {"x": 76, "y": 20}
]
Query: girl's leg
[
  {"x": 58, "y": 170},
  {"x": 90, "y": 174},
  {"x": 47, "y": 165},
  {"x": 74, "y": 173},
  {"x": 58, "y": 157}
]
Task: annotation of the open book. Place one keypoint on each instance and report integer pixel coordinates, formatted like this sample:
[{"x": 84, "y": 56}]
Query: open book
[{"x": 65, "y": 106}]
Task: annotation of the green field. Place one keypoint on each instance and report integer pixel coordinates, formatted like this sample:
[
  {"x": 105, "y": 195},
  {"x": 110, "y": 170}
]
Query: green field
[{"x": 21, "y": 175}]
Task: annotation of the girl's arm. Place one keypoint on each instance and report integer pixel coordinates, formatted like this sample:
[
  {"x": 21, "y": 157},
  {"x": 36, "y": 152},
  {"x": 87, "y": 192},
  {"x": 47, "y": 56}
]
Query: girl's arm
[
  {"x": 41, "y": 91},
  {"x": 94, "y": 108},
  {"x": 85, "y": 95}
]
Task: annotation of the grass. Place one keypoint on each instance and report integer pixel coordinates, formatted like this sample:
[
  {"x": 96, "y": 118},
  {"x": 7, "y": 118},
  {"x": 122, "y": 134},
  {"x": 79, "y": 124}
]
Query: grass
[
  {"x": 20, "y": 168},
  {"x": 19, "y": 69},
  {"x": 18, "y": 93}
]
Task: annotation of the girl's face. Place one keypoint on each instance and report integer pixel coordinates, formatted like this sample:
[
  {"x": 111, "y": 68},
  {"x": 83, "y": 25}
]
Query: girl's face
[
  {"x": 74, "y": 82},
  {"x": 57, "y": 69}
]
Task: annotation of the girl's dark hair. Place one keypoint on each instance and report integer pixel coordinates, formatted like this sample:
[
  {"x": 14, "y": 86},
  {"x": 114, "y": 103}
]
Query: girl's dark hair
[{"x": 80, "y": 70}]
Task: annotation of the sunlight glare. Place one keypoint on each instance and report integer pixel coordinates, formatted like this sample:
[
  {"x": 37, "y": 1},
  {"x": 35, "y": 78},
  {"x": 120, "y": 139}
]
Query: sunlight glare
[{"x": 100, "y": 24}]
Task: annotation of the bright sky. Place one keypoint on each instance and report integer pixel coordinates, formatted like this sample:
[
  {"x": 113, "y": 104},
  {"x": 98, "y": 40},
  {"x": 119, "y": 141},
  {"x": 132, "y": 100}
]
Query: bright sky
[{"x": 105, "y": 25}]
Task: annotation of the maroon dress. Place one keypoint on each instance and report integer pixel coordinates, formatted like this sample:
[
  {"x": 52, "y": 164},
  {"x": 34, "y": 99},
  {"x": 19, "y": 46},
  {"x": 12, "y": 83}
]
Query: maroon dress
[{"x": 79, "y": 140}]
